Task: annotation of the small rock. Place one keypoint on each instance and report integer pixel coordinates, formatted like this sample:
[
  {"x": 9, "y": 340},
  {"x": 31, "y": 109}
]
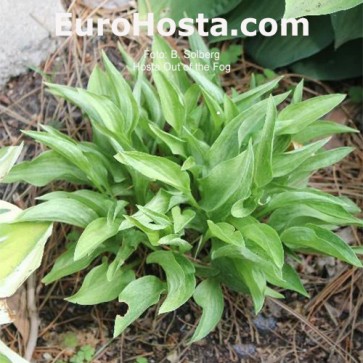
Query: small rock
[
  {"x": 265, "y": 324},
  {"x": 26, "y": 34},
  {"x": 110, "y": 4},
  {"x": 245, "y": 350}
]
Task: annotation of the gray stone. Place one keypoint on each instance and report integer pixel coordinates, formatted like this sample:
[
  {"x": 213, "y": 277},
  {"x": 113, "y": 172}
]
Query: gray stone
[
  {"x": 110, "y": 4},
  {"x": 27, "y": 30}
]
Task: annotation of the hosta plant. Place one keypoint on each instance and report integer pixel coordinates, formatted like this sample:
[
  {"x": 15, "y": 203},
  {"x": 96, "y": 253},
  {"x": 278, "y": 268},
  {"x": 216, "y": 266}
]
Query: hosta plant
[{"x": 184, "y": 190}]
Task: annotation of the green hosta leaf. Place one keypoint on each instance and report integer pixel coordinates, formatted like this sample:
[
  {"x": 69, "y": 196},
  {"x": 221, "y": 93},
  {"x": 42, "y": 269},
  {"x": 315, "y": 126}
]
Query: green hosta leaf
[
  {"x": 174, "y": 240},
  {"x": 99, "y": 83},
  {"x": 157, "y": 168},
  {"x": 150, "y": 229},
  {"x": 321, "y": 129},
  {"x": 263, "y": 163},
  {"x": 301, "y": 196},
  {"x": 76, "y": 153},
  {"x": 290, "y": 280},
  {"x": 284, "y": 164},
  {"x": 314, "y": 238},
  {"x": 300, "y": 8},
  {"x": 209, "y": 296},
  {"x": 205, "y": 83},
  {"x": 61, "y": 210},
  {"x": 176, "y": 77},
  {"x": 347, "y": 25},
  {"x": 155, "y": 217},
  {"x": 150, "y": 288},
  {"x": 130, "y": 241},
  {"x": 21, "y": 251},
  {"x": 66, "y": 265},
  {"x": 229, "y": 179},
  {"x": 44, "y": 169},
  {"x": 238, "y": 131},
  {"x": 8, "y": 157},
  {"x": 171, "y": 102},
  {"x": 104, "y": 114},
  {"x": 319, "y": 213},
  {"x": 296, "y": 117},
  {"x": 246, "y": 99},
  {"x": 268, "y": 239},
  {"x": 175, "y": 144},
  {"x": 325, "y": 159},
  {"x": 181, "y": 218},
  {"x": 100, "y": 203},
  {"x": 97, "y": 232},
  {"x": 123, "y": 94},
  {"x": 179, "y": 277},
  {"x": 226, "y": 233},
  {"x": 96, "y": 288},
  {"x": 160, "y": 203}
]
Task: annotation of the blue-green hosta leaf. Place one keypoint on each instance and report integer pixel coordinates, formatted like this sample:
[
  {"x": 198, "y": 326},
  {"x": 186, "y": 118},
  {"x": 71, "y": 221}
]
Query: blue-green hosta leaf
[
  {"x": 181, "y": 218},
  {"x": 8, "y": 157},
  {"x": 157, "y": 168},
  {"x": 150, "y": 288},
  {"x": 286, "y": 163},
  {"x": 231, "y": 178},
  {"x": 96, "y": 288},
  {"x": 123, "y": 96},
  {"x": 175, "y": 144},
  {"x": 281, "y": 50},
  {"x": 179, "y": 277},
  {"x": 66, "y": 265},
  {"x": 44, "y": 169},
  {"x": 226, "y": 233},
  {"x": 331, "y": 64},
  {"x": 172, "y": 102},
  {"x": 296, "y": 117},
  {"x": 263, "y": 159},
  {"x": 97, "y": 232},
  {"x": 268, "y": 239},
  {"x": 321, "y": 129},
  {"x": 314, "y": 238},
  {"x": 21, "y": 251},
  {"x": 209, "y": 296},
  {"x": 290, "y": 280},
  {"x": 347, "y": 25},
  {"x": 62, "y": 210},
  {"x": 300, "y": 8}
]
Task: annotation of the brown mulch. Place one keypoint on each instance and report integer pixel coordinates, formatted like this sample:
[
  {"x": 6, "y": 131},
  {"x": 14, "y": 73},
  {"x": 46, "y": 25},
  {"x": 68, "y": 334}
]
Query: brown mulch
[{"x": 326, "y": 328}]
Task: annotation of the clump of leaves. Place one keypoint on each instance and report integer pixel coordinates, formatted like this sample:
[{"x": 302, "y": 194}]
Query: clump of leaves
[{"x": 209, "y": 187}]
